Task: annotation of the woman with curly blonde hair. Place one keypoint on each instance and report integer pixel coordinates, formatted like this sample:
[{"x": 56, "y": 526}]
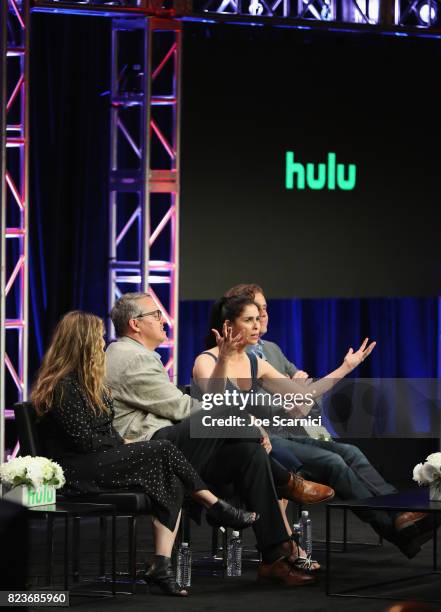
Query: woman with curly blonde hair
[{"x": 76, "y": 412}]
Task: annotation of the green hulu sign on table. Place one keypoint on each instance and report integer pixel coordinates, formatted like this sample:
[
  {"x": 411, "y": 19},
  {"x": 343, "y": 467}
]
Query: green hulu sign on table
[
  {"x": 330, "y": 175},
  {"x": 28, "y": 496}
]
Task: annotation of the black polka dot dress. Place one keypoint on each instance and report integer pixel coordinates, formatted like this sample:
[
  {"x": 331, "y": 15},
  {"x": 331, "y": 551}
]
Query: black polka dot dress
[{"x": 94, "y": 457}]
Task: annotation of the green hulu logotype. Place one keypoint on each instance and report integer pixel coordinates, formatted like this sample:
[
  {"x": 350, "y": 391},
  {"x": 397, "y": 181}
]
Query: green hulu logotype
[
  {"x": 319, "y": 176},
  {"x": 43, "y": 495}
]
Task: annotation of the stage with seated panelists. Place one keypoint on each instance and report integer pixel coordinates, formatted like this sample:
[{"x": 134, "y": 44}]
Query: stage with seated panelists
[{"x": 220, "y": 308}]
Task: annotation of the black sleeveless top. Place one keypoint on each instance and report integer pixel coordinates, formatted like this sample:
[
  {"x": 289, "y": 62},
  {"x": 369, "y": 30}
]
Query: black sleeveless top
[{"x": 254, "y": 369}]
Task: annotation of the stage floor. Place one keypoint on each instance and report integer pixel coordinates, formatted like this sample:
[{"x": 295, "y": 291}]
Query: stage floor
[{"x": 360, "y": 564}]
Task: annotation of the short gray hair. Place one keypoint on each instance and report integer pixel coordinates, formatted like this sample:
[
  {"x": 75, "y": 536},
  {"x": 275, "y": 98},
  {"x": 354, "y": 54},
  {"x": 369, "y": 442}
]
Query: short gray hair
[{"x": 124, "y": 309}]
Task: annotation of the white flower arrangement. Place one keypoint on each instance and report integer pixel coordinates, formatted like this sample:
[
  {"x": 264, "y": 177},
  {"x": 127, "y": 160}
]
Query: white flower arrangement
[
  {"x": 429, "y": 472},
  {"x": 31, "y": 471}
]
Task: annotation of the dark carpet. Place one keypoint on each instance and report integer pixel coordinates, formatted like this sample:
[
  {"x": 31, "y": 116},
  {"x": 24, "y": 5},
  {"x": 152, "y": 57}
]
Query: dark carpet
[{"x": 359, "y": 566}]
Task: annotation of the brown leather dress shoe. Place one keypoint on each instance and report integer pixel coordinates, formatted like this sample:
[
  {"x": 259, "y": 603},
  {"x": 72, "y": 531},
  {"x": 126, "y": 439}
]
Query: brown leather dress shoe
[
  {"x": 305, "y": 491},
  {"x": 406, "y": 519},
  {"x": 283, "y": 574}
]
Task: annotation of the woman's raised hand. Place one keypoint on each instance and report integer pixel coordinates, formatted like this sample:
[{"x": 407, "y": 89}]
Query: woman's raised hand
[
  {"x": 353, "y": 359},
  {"x": 301, "y": 376},
  {"x": 227, "y": 343}
]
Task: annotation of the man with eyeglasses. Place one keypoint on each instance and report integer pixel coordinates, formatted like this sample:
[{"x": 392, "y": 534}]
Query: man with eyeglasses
[
  {"x": 147, "y": 405},
  {"x": 139, "y": 327}
]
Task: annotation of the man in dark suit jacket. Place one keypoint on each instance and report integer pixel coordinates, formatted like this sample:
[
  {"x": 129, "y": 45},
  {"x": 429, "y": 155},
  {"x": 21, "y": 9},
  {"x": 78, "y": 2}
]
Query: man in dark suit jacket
[{"x": 342, "y": 466}]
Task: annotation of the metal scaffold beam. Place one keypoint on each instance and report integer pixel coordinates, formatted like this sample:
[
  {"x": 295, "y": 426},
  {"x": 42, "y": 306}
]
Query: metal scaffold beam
[
  {"x": 14, "y": 142},
  {"x": 144, "y": 172}
]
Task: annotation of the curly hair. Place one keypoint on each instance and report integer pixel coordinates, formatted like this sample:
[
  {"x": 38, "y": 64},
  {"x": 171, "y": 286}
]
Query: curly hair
[
  {"x": 76, "y": 348},
  {"x": 244, "y": 289}
]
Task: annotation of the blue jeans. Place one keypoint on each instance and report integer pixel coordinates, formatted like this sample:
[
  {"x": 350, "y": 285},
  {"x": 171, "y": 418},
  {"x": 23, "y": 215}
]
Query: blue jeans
[{"x": 344, "y": 468}]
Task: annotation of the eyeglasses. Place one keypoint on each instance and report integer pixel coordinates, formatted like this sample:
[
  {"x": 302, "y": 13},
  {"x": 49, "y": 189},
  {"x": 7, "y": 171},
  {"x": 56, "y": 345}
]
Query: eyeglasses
[{"x": 157, "y": 314}]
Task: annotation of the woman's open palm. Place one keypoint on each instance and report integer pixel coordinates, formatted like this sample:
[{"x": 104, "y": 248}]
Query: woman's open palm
[{"x": 354, "y": 358}]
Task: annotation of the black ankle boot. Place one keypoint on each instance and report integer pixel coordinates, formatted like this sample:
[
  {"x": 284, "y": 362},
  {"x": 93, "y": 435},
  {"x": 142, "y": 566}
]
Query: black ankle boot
[
  {"x": 160, "y": 574},
  {"x": 222, "y": 514}
]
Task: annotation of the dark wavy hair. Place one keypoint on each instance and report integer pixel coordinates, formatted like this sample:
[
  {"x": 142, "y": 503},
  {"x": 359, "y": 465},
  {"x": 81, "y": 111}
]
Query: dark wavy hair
[
  {"x": 244, "y": 289},
  {"x": 226, "y": 309}
]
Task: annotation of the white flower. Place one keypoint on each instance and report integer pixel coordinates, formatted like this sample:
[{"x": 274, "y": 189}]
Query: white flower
[
  {"x": 48, "y": 472},
  {"x": 435, "y": 460},
  {"x": 429, "y": 473},
  {"x": 417, "y": 473},
  {"x": 35, "y": 470},
  {"x": 59, "y": 475},
  {"x": 14, "y": 469}
]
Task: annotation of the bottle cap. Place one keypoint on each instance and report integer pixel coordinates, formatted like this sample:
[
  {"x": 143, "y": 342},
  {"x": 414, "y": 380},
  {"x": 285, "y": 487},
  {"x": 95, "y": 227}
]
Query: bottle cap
[
  {"x": 184, "y": 544},
  {"x": 235, "y": 534}
]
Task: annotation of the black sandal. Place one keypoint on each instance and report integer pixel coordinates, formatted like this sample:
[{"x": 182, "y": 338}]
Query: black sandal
[
  {"x": 306, "y": 564},
  {"x": 160, "y": 574},
  {"x": 301, "y": 563},
  {"x": 222, "y": 514}
]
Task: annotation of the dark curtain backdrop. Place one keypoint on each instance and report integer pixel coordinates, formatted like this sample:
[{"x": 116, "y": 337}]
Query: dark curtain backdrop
[
  {"x": 315, "y": 334},
  {"x": 69, "y": 170},
  {"x": 70, "y": 72}
]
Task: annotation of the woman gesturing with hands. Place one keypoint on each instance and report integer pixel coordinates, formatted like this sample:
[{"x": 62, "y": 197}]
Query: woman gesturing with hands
[
  {"x": 274, "y": 382},
  {"x": 235, "y": 324},
  {"x": 353, "y": 359},
  {"x": 227, "y": 343}
]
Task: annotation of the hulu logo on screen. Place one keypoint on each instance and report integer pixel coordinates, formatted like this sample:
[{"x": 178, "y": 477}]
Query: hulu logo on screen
[{"x": 319, "y": 176}]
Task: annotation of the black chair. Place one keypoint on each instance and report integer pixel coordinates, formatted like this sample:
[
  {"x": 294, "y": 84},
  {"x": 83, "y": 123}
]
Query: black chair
[{"x": 128, "y": 504}]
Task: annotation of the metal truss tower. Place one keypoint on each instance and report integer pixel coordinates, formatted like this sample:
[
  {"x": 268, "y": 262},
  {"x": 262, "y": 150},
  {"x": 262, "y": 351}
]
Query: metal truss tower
[
  {"x": 410, "y": 14},
  {"x": 14, "y": 143},
  {"x": 347, "y": 11},
  {"x": 144, "y": 172}
]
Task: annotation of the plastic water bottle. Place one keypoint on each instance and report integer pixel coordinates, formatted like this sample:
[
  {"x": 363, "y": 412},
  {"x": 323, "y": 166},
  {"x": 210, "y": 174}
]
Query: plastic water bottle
[
  {"x": 234, "y": 555},
  {"x": 183, "y": 566},
  {"x": 306, "y": 529},
  {"x": 297, "y": 531}
]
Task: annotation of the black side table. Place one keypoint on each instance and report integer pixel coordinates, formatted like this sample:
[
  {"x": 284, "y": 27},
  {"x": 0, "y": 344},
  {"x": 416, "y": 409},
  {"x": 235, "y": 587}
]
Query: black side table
[
  {"x": 67, "y": 511},
  {"x": 413, "y": 501}
]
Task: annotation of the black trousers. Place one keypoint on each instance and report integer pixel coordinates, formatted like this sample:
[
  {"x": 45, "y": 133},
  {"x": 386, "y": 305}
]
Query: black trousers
[{"x": 245, "y": 464}]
